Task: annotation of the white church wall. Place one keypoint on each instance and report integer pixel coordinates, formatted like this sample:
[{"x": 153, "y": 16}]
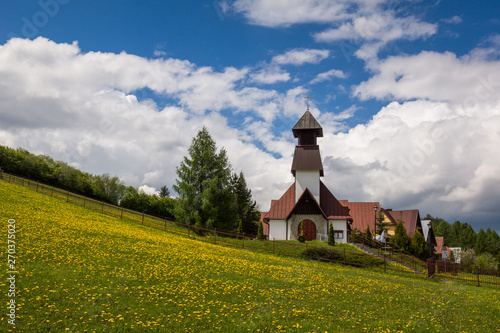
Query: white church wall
[
  {"x": 307, "y": 179},
  {"x": 340, "y": 225},
  {"x": 277, "y": 229}
]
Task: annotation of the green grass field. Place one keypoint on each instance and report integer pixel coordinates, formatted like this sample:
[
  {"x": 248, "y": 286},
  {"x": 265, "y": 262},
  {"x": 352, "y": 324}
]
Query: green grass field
[{"x": 82, "y": 271}]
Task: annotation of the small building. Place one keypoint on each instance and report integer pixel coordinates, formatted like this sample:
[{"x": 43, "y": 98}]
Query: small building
[{"x": 307, "y": 201}]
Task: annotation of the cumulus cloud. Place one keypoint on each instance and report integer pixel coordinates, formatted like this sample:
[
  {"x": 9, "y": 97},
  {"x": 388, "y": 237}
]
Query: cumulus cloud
[
  {"x": 432, "y": 75},
  {"x": 438, "y": 149},
  {"x": 87, "y": 109}
]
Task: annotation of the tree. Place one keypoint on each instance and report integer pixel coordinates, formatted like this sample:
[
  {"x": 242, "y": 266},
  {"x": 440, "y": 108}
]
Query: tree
[
  {"x": 331, "y": 235},
  {"x": 380, "y": 225},
  {"x": 368, "y": 233},
  {"x": 419, "y": 246},
  {"x": 492, "y": 242},
  {"x": 246, "y": 207},
  {"x": 443, "y": 230},
  {"x": 480, "y": 246},
  {"x": 205, "y": 196},
  {"x": 400, "y": 238},
  {"x": 164, "y": 192},
  {"x": 260, "y": 231}
]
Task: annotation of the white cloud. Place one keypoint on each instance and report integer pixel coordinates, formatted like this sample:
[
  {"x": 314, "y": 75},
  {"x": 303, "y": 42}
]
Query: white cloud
[
  {"x": 432, "y": 75},
  {"x": 147, "y": 189},
  {"x": 299, "y": 57},
  {"x": 326, "y": 76},
  {"x": 453, "y": 20},
  {"x": 270, "y": 75},
  {"x": 377, "y": 30},
  {"x": 84, "y": 108}
]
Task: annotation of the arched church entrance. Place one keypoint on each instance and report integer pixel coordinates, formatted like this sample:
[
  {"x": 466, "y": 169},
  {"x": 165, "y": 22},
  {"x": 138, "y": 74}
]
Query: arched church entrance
[{"x": 309, "y": 230}]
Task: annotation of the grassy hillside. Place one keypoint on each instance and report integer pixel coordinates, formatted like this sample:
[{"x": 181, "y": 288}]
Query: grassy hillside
[{"x": 81, "y": 271}]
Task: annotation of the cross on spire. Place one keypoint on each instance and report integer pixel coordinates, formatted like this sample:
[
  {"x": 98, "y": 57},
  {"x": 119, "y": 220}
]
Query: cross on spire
[{"x": 307, "y": 101}]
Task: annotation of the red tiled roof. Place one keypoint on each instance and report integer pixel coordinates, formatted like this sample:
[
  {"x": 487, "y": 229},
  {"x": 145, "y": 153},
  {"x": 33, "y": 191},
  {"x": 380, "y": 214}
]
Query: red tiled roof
[
  {"x": 282, "y": 207},
  {"x": 410, "y": 217},
  {"x": 363, "y": 214},
  {"x": 331, "y": 206}
]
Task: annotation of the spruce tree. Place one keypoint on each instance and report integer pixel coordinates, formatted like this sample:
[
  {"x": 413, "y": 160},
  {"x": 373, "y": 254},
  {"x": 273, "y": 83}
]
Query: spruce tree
[
  {"x": 246, "y": 207},
  {"x": 260, "y": 231},
  {"x": 331, "y": 235},
  {"x": 205, "y": 196},
  {"x": 400, "y": 238},
  {"x": 419, "y": 246}
]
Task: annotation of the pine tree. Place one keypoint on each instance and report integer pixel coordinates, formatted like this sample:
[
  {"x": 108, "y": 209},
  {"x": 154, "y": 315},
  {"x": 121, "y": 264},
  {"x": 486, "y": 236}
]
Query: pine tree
[
  {"x": 368, "y": 233},
  {"x": 480, "y": 246},
  {"x": 400, "y": 238},
  {"x": 419, "y": 246},
  {"x": 331, "y": 236},
  {"x": 205, "y": 196},
  {"x": 246, "y": 207}
]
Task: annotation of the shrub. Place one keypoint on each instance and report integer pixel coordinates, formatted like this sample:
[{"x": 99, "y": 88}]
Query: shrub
[
  {"x": 467, "y": 258},
  {"x": 486, "y": 261}
]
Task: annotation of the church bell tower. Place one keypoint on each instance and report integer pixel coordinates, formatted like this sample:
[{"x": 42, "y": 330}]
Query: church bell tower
[{"x": 307, "y": 167}]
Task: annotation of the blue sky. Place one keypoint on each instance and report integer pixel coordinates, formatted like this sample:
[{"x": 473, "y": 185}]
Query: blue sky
[{"x": 407, "y": 93}]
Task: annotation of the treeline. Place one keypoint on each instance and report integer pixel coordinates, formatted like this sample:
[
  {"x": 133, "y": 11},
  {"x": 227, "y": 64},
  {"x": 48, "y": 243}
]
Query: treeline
[
  {"x": 44, "y": 169},
  {"x": 463, "y": 235}
]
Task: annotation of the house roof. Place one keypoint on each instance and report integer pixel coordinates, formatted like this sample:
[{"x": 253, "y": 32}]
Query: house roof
[
  {"x": 410, "y": 217},
  {"x": 362, "y": 213},
  {"x": 428, "y": 232},
  {"x": 328, "y": 206},
  {"x": 307, "y": 122},
  {"x": 307, "y": 158},
  {"x": 282, "y": 207},
  {"x": 307, "y": 204}
]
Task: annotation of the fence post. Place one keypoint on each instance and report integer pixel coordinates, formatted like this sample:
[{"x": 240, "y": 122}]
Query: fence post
[
  {"x": 84, "y": 200},
  {"x": 67, "y": 196},
  {"x": 477, "y": 272},
  {"x": 215, "y": 235},
  {"x": 165, "y": 219},
  {"x": 52, "y": 192},
  {"x": 384, "y": 264},
  {"x": 344, "y": 256},
  {"x": 243, "y": 240},
  {"x": 189, "y": 230},
  {"x": 121, "y": 214},
  {"x": 273, "y": 244},
  {"x": 142, "y": 221},
  {"x": 102, "y": 207},
  {"x": 37, "y": 186}
]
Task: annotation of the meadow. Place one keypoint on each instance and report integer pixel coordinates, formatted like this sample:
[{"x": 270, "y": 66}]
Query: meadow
[{"x": 83, "y": 271}]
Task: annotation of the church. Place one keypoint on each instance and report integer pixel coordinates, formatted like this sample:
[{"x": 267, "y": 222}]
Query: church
[{"x": 307, "y": 200}]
